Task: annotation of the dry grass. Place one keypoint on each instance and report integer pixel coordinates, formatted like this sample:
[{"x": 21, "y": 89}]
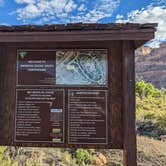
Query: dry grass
[{"x": 150, "y": 152}]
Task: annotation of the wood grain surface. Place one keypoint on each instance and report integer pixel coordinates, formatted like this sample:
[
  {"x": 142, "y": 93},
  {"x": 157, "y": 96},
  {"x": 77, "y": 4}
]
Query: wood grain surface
[
  {"x": 8, "y": 86},
  {"x": 129, "y": 130}
]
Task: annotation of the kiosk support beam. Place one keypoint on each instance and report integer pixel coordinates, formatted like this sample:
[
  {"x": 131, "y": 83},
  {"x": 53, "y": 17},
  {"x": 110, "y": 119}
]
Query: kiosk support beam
[{"x": 128, "y": 75}]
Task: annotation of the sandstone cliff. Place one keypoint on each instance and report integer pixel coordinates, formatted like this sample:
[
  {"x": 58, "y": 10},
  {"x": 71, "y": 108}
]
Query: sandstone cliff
[{"x": 151, "y": 65}]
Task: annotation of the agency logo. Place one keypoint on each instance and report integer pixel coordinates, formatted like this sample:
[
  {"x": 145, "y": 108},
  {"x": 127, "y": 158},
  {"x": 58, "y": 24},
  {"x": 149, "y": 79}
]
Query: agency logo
[{"x": 23, "y": 54}]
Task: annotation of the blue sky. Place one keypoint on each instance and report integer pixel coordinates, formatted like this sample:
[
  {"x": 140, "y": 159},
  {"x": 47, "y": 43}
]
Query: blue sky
[{"x": 18, "y": 12}]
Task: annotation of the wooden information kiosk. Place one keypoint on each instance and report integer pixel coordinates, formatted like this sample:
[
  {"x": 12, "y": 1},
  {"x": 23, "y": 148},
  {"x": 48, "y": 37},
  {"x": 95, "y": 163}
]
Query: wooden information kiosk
[{"x": 70, "y": 85}]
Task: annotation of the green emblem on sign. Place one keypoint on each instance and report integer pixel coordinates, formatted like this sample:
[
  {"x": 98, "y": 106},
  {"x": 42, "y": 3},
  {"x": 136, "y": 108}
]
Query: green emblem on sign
[{"x": 23, "y": 54}]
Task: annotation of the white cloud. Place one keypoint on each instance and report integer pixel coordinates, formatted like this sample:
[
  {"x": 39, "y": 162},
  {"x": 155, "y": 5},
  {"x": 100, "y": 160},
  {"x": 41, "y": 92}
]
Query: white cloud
[
  {"x": 100, "y": 9},
  {"x": 69, "y": 6},
  {"x": 29, "y": 11},
  {"x": 152, "y": 14},
  {"x": 64, "y": 11},
  {"x": 82, "y": 7},
  {"x": 1, "y": 3},
  {"x": 43, "y": 8},
  {"x": 119, "y": 17}
]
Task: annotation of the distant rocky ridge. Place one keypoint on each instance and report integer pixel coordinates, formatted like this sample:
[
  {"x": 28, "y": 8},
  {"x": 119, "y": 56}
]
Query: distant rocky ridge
[{"x": 151, "y": 65}]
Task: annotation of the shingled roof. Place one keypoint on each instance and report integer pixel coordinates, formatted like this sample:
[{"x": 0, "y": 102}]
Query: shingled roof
[
  {"x": 78, "y": 26},
  {"x": 78, "y": 32}
]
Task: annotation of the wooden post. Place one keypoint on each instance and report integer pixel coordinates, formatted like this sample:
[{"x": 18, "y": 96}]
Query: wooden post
[{"x": 128, "y": 72}]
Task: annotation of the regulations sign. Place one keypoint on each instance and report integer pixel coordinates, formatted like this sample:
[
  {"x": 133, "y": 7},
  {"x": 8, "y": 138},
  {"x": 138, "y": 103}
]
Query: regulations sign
[
  {"x": 39, "y": 115},
  {"x": 61, "y": 97},
  {"x": 87, "y": 116}
]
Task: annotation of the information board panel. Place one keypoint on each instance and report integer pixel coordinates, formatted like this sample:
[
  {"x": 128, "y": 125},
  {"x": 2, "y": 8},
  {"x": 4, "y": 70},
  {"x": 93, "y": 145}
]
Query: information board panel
[
  {"x": 36, "y": 67},
  {"x": 39, "y": 115},
  {"x": 61, "y": 97},
  {"x": 87, "y": 117},
  {"x": 62, "y": 67}
]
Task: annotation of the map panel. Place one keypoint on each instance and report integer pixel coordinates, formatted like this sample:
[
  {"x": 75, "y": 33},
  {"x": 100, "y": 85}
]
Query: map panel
[{"x": 81, "y": 67}]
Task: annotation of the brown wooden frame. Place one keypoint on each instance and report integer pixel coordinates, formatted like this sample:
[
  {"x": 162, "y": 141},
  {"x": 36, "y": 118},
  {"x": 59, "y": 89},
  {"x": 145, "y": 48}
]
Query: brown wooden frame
[{"x": 120, "y": 43}]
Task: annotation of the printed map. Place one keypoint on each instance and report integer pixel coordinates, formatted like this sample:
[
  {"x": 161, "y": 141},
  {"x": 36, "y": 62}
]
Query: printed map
[{"x": 81, "y": 67}]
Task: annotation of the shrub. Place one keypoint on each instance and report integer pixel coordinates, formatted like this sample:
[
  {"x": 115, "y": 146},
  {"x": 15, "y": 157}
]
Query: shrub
[
  {"x": 84, "y": 157},
  {"x": 5, "y": 159},
  {"x": 151, "y": 108},
  {"x": 144, "y": 89}
]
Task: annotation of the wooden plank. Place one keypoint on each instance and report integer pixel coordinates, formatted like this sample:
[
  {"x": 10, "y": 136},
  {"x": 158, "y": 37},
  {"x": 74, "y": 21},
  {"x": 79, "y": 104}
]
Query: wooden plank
[
  {"x": 70, "y": 36},
  {"x": 115, "y": 86},
  {"x": 129, "y": 135},
  {"x": 7, "y": 96},
  {"x": 78, "y": 26}
]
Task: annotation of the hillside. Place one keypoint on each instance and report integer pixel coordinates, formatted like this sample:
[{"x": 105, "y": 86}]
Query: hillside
[{"x": 151, "y": 65}]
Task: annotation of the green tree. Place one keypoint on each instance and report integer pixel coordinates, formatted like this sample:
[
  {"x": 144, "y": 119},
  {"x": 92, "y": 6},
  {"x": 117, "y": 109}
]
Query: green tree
[
  {"x": 140, "y": 88},
  {"x": 144, "y": 89},
  {"x": 149, "y": 90}
]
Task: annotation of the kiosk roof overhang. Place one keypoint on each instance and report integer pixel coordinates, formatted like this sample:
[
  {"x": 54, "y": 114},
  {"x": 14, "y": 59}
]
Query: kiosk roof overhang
[{"x": 139, "y": 33}]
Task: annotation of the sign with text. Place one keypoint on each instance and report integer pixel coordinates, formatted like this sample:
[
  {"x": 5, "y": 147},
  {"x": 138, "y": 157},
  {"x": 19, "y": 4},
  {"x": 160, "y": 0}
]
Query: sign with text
[
  {"x": 62, "y": 67},
  {"x": 61, "y": 97},
  {"x": 39, "y": 115},
  {"x": 87, "y": 116},
  {"x": 36, "y": 67}
]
